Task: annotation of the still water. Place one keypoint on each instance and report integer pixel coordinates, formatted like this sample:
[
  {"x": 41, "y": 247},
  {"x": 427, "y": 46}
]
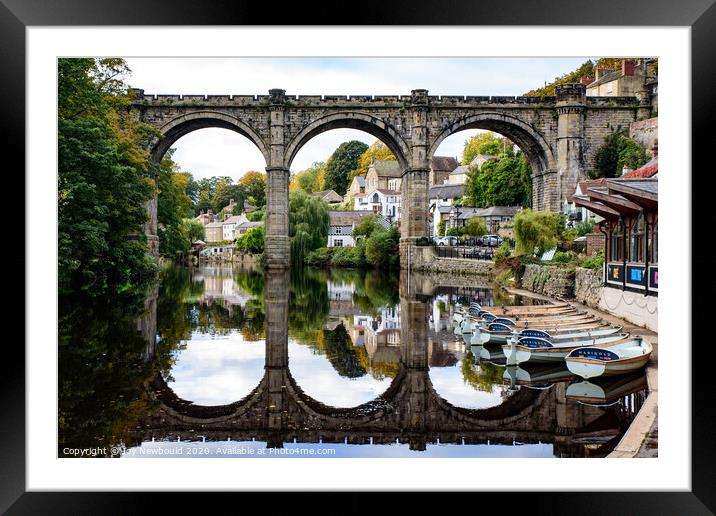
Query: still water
[{"x": 226, "y": 362}]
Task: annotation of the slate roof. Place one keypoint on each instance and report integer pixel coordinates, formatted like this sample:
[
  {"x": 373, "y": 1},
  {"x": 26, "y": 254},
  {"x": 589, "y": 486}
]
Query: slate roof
[
  {"x": 608, "y": 77},
  {"x": 444, "y": 163},
  {"x": 462, "y": 169},
  {"x": 387, "y": 168},
  {"x": 446, "y": 191}
]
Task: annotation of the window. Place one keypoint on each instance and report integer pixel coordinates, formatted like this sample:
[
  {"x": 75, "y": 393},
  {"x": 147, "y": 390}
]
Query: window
[
  {"x": 636, "y": 240},
  {"x": 654, "y": 246},
  {"x": 617, "y": 243},
  {"x": 376, "y": 199},
  {"x": 338, "y": 243},
  {"x": 610, "y": 87}
]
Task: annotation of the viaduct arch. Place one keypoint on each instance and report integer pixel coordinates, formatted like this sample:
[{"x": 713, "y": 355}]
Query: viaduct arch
[{"x": 560, "y": 136}]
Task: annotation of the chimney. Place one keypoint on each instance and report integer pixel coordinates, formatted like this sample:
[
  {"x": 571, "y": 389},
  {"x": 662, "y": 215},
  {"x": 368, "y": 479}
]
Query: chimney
[
  {"x": 598, "y": 73},
  {"x": 628, "y": 67},
  {"x": 625, "y": 170},
  {"x": 586, "y": 80}
]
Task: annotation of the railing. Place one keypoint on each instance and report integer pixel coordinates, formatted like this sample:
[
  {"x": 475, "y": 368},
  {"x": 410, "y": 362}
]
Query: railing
[{"x": 470, "y": 253}]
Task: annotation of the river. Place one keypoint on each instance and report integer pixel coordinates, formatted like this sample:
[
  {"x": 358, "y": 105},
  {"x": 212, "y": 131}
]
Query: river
[{"x": 218, "y": 361}]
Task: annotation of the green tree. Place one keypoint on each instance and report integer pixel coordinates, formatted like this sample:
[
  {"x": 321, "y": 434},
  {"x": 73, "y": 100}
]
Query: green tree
[
  {"x": 476, "y": 227},
  {"x": 441, "y": 227},
  {"x": 341, "y": 163},
  {"x": 193, "y": 230},
  {"x": 252, "y": 241},
  {"x": 617, "y": 151},
  {"x": 484, "y": 143},
  {"x": 506, "y": 181},
  {"x": 307, "y": 224},
  {"x": 103, "y": 180},
  {"x": 537, "y": 231},
  {"x": 173, "y": 205}
]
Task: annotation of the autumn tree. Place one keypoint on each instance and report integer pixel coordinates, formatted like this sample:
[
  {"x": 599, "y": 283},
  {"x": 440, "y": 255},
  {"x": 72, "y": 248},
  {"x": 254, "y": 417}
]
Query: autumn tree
[
  {"x": 378, "y": 151},
  {"x": 254, "y": 184}
]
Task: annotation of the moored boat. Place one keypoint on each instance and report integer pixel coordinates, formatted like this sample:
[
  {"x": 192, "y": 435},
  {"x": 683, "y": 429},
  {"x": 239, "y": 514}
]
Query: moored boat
[
  {"x": 498, "y": 333},
  {"x": 611, "y": 359},
  {"x": 532, "y": 349}
]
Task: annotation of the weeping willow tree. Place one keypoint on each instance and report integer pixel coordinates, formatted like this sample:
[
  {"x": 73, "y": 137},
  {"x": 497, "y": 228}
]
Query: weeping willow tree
[{"x": 307, "y": 224}]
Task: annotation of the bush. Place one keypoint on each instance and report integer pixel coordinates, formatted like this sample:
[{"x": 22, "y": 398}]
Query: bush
[
  {"x": 348, "y": 257},
  {"x": 502, "y": 253},
  {"x": 585, "y": 228},
  {"x": 423, "y": 241},
  {"x": 252, "y": 241},
  {"x": 570, "y": 233},
  {"x": 320, "y": 257},
  {"x": 441, "y": 227},
  {"x": 560, "y": 257},
  {"x": 381, "y": 247},
  {"x": 618, "y": 151},
  {"x": 596, "y": 261}
]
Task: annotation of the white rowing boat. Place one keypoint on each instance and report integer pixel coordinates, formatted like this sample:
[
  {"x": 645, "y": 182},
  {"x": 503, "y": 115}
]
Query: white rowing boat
[
  {"x": 531, "y": 349},
  {"x": 607, "y": 360},
  {"x": 497, "y": 333}
]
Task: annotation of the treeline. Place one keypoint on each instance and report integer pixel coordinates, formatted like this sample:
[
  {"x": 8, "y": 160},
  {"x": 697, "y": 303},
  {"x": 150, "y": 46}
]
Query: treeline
[
  {"x": 104, "y": 180},
  {"x": 505, "y": 180}
]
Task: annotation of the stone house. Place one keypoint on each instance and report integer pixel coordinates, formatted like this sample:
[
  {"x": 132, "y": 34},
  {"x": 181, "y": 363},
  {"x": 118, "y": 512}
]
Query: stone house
[
  {"x": 630, "y": 80},
  {"x": 205, "y": 218},
  {"x": 330, "y": 196},
  {"x": 440, "y": 168},
  {"x": 458, "y": 176},
  {"x": 382, "y": 201},
  {"x": 357, "y": 186},
  {"x": 494, "y": 216},
  {"x": 383, "y": 174},
  {"x": 481, "y": 159},
  {"x": 214, "y": 232}
]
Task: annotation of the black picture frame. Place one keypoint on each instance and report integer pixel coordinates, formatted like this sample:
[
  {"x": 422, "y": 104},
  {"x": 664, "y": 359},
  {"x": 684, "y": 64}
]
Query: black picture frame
[{"x": 16, "y": 15}]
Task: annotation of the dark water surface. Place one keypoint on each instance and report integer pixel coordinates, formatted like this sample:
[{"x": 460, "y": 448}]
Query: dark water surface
[{"x": 226, "y": 362}]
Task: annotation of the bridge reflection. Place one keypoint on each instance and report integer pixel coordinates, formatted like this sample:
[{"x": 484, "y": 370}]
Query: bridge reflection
[{"x": 278, "y": 411}]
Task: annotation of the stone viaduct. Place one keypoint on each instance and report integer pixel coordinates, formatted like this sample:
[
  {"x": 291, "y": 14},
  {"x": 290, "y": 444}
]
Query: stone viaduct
[
  {"x": 410, "y": 410},
  {"x": 559, "y": 135}
]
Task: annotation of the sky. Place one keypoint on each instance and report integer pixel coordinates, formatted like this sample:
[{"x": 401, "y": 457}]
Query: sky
[{"x": 212, "y": 152}]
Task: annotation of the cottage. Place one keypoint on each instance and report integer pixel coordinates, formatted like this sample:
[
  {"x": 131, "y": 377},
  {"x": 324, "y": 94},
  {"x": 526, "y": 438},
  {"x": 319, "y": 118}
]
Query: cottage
[
  {"x": 440, "y": 168},
  {"x": 357, "y": 186},
  {"x": 330, "y": 196},
  {"x": 245, "y": 226},
  {"x": 458, "y": 176},
  {"x": 342, "y": 224},
  {"x": 481, "y": 159},
  {"x": 494, "y": 216},
  {"x": 630, "y": 80}
]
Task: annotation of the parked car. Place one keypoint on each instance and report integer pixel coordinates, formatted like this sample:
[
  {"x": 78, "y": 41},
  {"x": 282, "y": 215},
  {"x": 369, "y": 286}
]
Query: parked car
[
  {"x": 445, "y": 240},
  {"x": 491, "y": 241}
]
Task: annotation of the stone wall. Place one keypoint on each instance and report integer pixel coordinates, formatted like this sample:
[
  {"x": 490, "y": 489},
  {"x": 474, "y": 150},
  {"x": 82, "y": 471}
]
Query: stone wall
[
  {"x": 645, "y": 132},
  {"x": 595, "y": 243},
  {"x": 549, "y": 280},
  {"x": 588, "y": 286},
  {"x": 423, "y": 258}
]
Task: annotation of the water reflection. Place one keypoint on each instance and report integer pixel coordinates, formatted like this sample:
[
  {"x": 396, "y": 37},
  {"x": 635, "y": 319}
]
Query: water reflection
[{"x": 341, "y": 357}]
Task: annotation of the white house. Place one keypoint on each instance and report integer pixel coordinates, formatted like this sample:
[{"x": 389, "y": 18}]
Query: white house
[
  {"x": 228, "y": 227},
  {"x": 341, "y": 225},
  {"x": 458, "y": 176},
  {"x": 381, "y": 201}
]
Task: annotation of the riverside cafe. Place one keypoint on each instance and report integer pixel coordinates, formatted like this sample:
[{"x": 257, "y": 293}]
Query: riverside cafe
[{"x": 630, "y": 209}]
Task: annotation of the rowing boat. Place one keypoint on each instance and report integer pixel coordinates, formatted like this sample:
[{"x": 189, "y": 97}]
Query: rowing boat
[
  {"x": 553, "y": 334},
  {"x": 499, "y": 332},
  {"x": 532, "y": 349},
  {"x": 607, "y": 360}
]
